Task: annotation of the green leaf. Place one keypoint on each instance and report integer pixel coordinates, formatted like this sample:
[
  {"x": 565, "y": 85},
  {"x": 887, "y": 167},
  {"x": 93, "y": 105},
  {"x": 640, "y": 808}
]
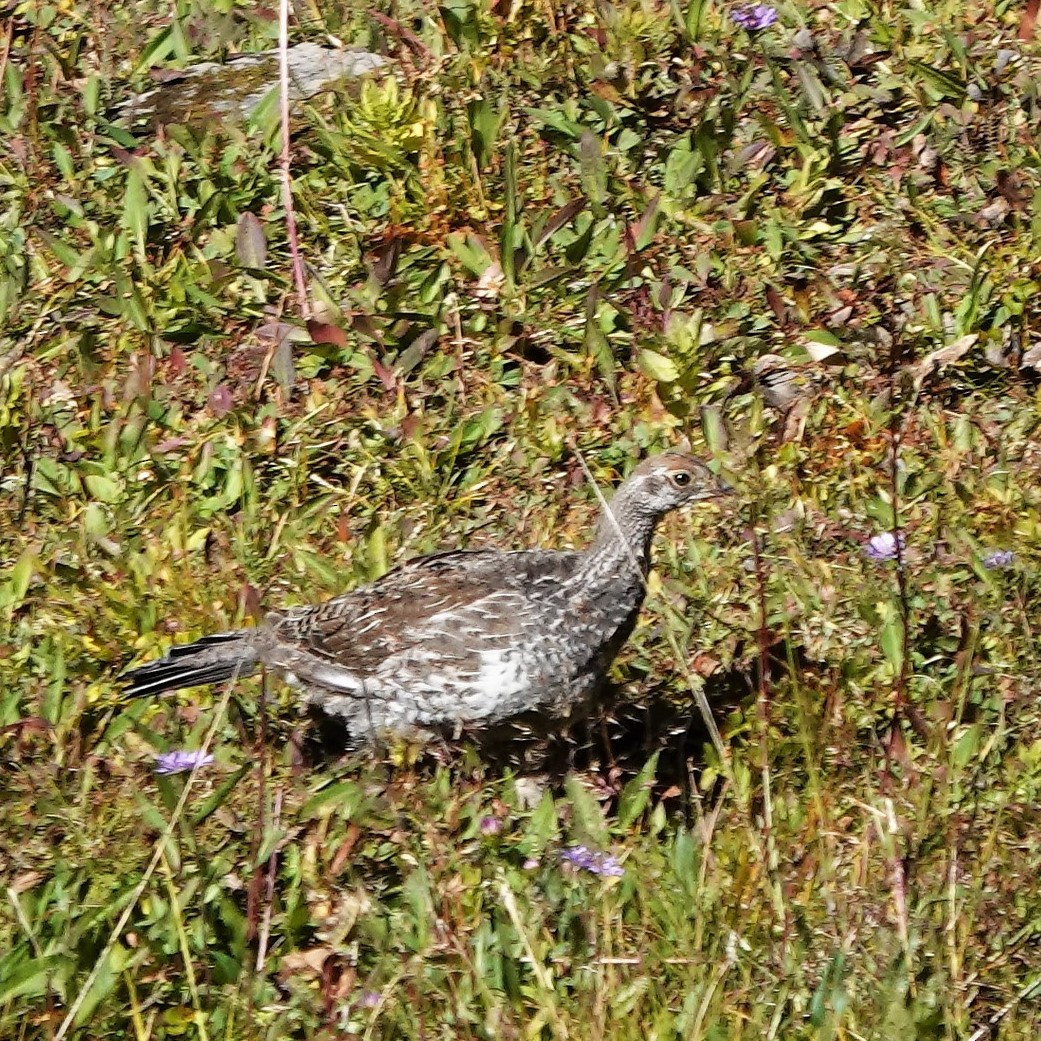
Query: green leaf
[
  {"x": 598, "y": 347},
  {"x": 657, "y": 366},
  {"x": 892, "y": 637},
  {"x": 556, "y": 120},
  {"x": 149, "y": 812},
  {"x": 681, "y": 168},
  {"x": 102, "y": 985},
  {"x": 485, "y": 122},
  {"x": 942, "y": 82},
  {"x": 689, "y": 20},
  {"x": 822, "y": 336},
  {"x": 61, "y": 249},
  {"x": 593, "y": 173},
  {"x": 542, "y": 826},
  {"x": 812, "y": 87},
  {"x": 576, "y": 251},
  {"x": 587, "y": 816},
  {"x": 508, "y": 237},
  {"x": 460, "y": 21},
  {"x": 684, "y": 859},
  {"x": 64, "y": 161},
  {"x": 95, "y": 521},
  {"x": 637, "y": 793},
  {"x": 159, "y": 49},
  {"x": 967, "y": 746},
  {"x": 222, "y": 791},
  {"x": 345, "y": 796},
  {"x": 102, "y": 488},
  {"x": 135, "y": 211},
  {"x": 32, "y": 979},
  {"x": 12, "y": 593},
  {"x": 470, "y": 252}
]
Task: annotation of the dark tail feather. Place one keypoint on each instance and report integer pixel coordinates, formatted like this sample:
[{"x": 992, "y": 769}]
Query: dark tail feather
[{"x": 212, "y": 659}]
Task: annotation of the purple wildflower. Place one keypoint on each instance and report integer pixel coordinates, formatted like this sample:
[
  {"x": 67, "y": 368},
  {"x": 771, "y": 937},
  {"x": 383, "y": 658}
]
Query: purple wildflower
[
  {"x": 997, "y": 559},
  {"x": 885, "y": 546},
  {"x": 592, "y": 860},
  {"x": 180, "y": 761},
  {"x": 369, "y": 999},
  {"x": 490, "y": 825},
  {"x": 754, "y": 17}
]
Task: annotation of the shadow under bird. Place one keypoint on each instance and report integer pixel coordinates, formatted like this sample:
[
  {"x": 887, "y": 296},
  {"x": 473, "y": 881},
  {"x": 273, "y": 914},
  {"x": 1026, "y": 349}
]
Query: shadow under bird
[{"x": 465, "y": 637}]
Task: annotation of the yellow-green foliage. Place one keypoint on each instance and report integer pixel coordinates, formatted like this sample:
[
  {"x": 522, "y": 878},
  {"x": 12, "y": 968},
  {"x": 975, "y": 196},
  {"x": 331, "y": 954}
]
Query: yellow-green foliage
[
  {"x": 555, "y": 230},
  {"x": 385, "y": 127}
]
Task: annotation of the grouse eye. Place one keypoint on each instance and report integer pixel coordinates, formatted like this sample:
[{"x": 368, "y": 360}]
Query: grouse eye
[{"x": 681, "y": 478}]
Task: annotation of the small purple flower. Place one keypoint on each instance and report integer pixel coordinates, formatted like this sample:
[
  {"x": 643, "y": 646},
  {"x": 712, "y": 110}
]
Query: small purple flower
[
  {"x": 597, "y": 863},
  {"x": 754, "y": 17},
  {"x": 369, "y": 999},
  {"x": 180, "y": 761},
  {"x": 885, "y": 546},
  {"x": 997, "y": 559},
  {"x": 490, "y": 825}
]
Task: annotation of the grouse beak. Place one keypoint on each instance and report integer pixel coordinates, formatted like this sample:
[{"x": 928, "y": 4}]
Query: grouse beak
[{"x": 724, "y": 490}]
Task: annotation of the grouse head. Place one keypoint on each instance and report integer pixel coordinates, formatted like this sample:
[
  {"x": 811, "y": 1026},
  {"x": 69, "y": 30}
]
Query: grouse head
[{"x": 672, "y": 479}]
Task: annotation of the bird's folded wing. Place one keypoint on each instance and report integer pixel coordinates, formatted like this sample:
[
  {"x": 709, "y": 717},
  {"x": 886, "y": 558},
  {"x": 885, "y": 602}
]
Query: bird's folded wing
[{"x": 411, "y": 605}]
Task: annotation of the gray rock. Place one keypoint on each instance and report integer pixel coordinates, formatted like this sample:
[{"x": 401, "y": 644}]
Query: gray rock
[{"x": 232, "y": 91}]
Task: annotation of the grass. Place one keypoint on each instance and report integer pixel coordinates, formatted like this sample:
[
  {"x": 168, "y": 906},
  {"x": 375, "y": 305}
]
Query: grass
[{"x": 564, "y": 231}]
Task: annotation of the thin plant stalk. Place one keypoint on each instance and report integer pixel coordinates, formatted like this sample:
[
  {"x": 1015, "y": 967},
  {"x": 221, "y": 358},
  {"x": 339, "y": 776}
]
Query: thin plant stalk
[{"x": 287, "y": 183}]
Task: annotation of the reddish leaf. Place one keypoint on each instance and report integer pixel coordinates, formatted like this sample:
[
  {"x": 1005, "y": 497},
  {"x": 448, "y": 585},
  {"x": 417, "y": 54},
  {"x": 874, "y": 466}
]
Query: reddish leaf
[
  {"x": 30, "y": 724},
  {"x": 567, "y": 213},
  {"x": 326, "y": 332},
  {"x": 409, "y": 425},
  {"x": 402, "y": 31},
  {"x": 161, "y": 75},
  {"x": 345, "y": 850},
  {"x": 170, "y": 444},
  {"x": 249, "y": 601},
  {"x": 1029, "y": 20},
  {"x": 777, "y": 304},
  {"x": 643, "y": 230},
  {"x": 220, "y": 401},
  {"x": 896, "y": 748},
  {"x": 364, "y": 325},
  {"x": 704, "y": 665},
  {"x": 385, "y": 260},
  {"x": 386, "y": 376},
  {"x": 178, "y": 362},
  {"x": 139, "y": 379},
  {"x": 274, "y": 332},
  {"x": 305, "y": 963},
  {"x": 1010, "y": 185}
]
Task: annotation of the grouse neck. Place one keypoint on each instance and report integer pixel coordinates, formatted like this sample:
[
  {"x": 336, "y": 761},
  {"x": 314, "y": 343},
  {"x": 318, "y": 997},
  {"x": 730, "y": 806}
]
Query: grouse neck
[{"x": 623, "y": 535}]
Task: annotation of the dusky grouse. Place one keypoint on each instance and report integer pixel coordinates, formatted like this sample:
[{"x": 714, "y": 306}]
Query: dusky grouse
[{"x": 462, "y": 637}]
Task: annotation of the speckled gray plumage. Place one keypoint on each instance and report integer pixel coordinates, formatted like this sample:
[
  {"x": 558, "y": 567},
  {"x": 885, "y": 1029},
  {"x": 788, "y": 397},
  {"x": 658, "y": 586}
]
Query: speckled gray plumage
[{"x": 462, "y": 637}]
